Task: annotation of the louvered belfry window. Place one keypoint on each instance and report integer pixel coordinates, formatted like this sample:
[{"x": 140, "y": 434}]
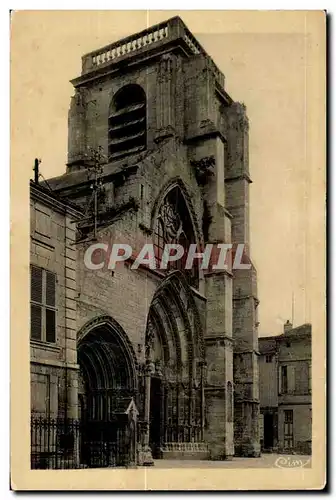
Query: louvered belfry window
[
  {"x": 127, "y": 128},
  {"x": 42, "y": 305}
]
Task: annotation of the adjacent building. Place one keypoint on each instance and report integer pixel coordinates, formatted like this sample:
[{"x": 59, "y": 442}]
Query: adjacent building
[
  {"x": 53, "y": 333},
  {"x": 53, "y": 329},
  {"x": 285, "y": 390}
]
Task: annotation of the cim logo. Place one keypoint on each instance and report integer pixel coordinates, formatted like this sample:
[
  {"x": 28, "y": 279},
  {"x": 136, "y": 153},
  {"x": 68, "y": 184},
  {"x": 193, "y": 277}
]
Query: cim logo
[{"x": 291, "y": 463}]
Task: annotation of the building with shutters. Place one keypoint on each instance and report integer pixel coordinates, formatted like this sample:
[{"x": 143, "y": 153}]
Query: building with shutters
[
  {"x": 53, "y": 290},
  {"x": 157, "y": 153},
  {"x": 285, "y": 390}
]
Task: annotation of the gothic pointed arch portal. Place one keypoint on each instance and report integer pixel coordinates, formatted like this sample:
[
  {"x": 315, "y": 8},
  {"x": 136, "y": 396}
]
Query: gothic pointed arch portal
[
  {"x": 107, "y": 364},
  {"x": 108, "y": 370},
  {"x": 175, "y": 364}
]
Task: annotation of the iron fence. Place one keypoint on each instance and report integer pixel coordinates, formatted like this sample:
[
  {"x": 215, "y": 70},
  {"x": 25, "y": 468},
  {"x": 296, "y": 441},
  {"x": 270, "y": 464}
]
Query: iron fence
[
  {"x": 54, "y": 443},
  {"x": 72, "y": 444}
]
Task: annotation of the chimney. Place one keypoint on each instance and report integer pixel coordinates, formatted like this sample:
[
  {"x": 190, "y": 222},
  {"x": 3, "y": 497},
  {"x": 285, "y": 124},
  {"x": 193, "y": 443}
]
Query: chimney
[
  {"x": 36, "y": 170},
  {"x": 288, "y": 326}
]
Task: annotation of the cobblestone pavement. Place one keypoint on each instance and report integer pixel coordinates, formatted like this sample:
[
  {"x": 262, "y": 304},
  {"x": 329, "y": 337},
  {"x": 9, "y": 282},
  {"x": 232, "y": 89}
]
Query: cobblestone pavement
[{"x": 268, "y": 460}]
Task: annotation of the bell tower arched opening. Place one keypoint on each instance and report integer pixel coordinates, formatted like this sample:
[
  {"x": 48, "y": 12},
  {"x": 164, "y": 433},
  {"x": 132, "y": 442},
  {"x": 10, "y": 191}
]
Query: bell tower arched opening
[{"x": 127, "y": 122}]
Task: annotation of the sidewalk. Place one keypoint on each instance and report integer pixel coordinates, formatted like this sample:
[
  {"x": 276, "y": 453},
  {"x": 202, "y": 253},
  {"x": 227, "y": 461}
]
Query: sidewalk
[{"x": 265, "y": 461}]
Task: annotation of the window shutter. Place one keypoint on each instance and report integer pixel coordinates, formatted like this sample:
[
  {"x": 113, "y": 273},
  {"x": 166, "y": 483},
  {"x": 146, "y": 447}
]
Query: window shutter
[
  {"x": 32, "y": 219},
  {"x": 230, "y": 401},
  {"x": 36, "y": 284},
  {"x": 291, "y": 378},
  {"x": 50, "y": 289},
  {"x": 43, "y": 223},
  {"x": 280, "y": 379},
  {"x": 309, "y": 377},
  {"x": 35, "y": 322},
  {"x": 50, "y": 321}
]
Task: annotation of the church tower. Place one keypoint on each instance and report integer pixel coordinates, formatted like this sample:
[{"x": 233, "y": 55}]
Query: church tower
[{"x": 158, "y": 153}]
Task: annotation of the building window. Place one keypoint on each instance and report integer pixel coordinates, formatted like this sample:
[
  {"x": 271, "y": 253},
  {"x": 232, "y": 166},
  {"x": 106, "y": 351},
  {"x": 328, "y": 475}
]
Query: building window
[
  {"x": 127, "y": 128},
  {"x": 40, "y": 394},
  {"x": 230, "y": 402},
  {"x": 269, "y": 358},
  {"x": 287, "y": 379},
  {"x": 42, "y": 305},
  {"x": 309, "y": 378},
  {"x": 40, "y": 222},
  {"x": 43, "y": 223},
  {"x": 284, "y": 380},
  {"x": 289, "y": 416},
  {"x": 288, "y": 429}
]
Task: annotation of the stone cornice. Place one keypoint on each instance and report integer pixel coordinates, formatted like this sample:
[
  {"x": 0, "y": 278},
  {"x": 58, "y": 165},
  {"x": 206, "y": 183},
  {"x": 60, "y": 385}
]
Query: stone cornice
[
  {"x": 54, "y": 363},
  {"x": 219, "y": 272},
  {"x": 245, "y": 297},
  {"x": 220, "y": 339},
  {"x": 49, "y": 198},
  {"x": 206, "y": 132},
  {"x": 198, "y": 293},
  {"x": 244, "y": 351},
  {"x": 244, "y": 176},
  {"x": 80, "y": 182},
  {"x": 215, "y": 390},
  {"x": 223, "y": 95}
]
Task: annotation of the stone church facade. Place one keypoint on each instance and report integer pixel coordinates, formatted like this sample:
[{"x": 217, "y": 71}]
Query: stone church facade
[{"x": 170, "y": 164}]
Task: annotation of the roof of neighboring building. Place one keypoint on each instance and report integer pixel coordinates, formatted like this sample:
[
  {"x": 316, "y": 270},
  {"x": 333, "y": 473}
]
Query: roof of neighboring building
[
  {"x": 267, "y": 344},
  {"x": 304, "y": 329},
  {"x": 80, "y": 178},
  {"x": 47, "y": 196}
]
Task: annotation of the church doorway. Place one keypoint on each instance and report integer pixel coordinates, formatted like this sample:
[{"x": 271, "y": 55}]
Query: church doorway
[
  {"x": 156, "y": 417},
  {"x": 174, "y": 361},
  {"x": 107, "y": 392},
  {"x": 268, "y": 431}
]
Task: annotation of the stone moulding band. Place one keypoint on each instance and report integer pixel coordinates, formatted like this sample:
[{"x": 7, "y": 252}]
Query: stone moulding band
[{"x": 186, "y": 447}]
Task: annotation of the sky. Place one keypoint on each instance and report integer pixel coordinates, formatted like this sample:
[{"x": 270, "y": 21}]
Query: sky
[{"x": 265, "y": 66}]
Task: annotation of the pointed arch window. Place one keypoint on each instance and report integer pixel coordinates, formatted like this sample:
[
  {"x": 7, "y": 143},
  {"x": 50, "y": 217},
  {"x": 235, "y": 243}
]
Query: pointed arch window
[
  {"x": 127, "y": 122},
  {"x": 174, "y": 225}
]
